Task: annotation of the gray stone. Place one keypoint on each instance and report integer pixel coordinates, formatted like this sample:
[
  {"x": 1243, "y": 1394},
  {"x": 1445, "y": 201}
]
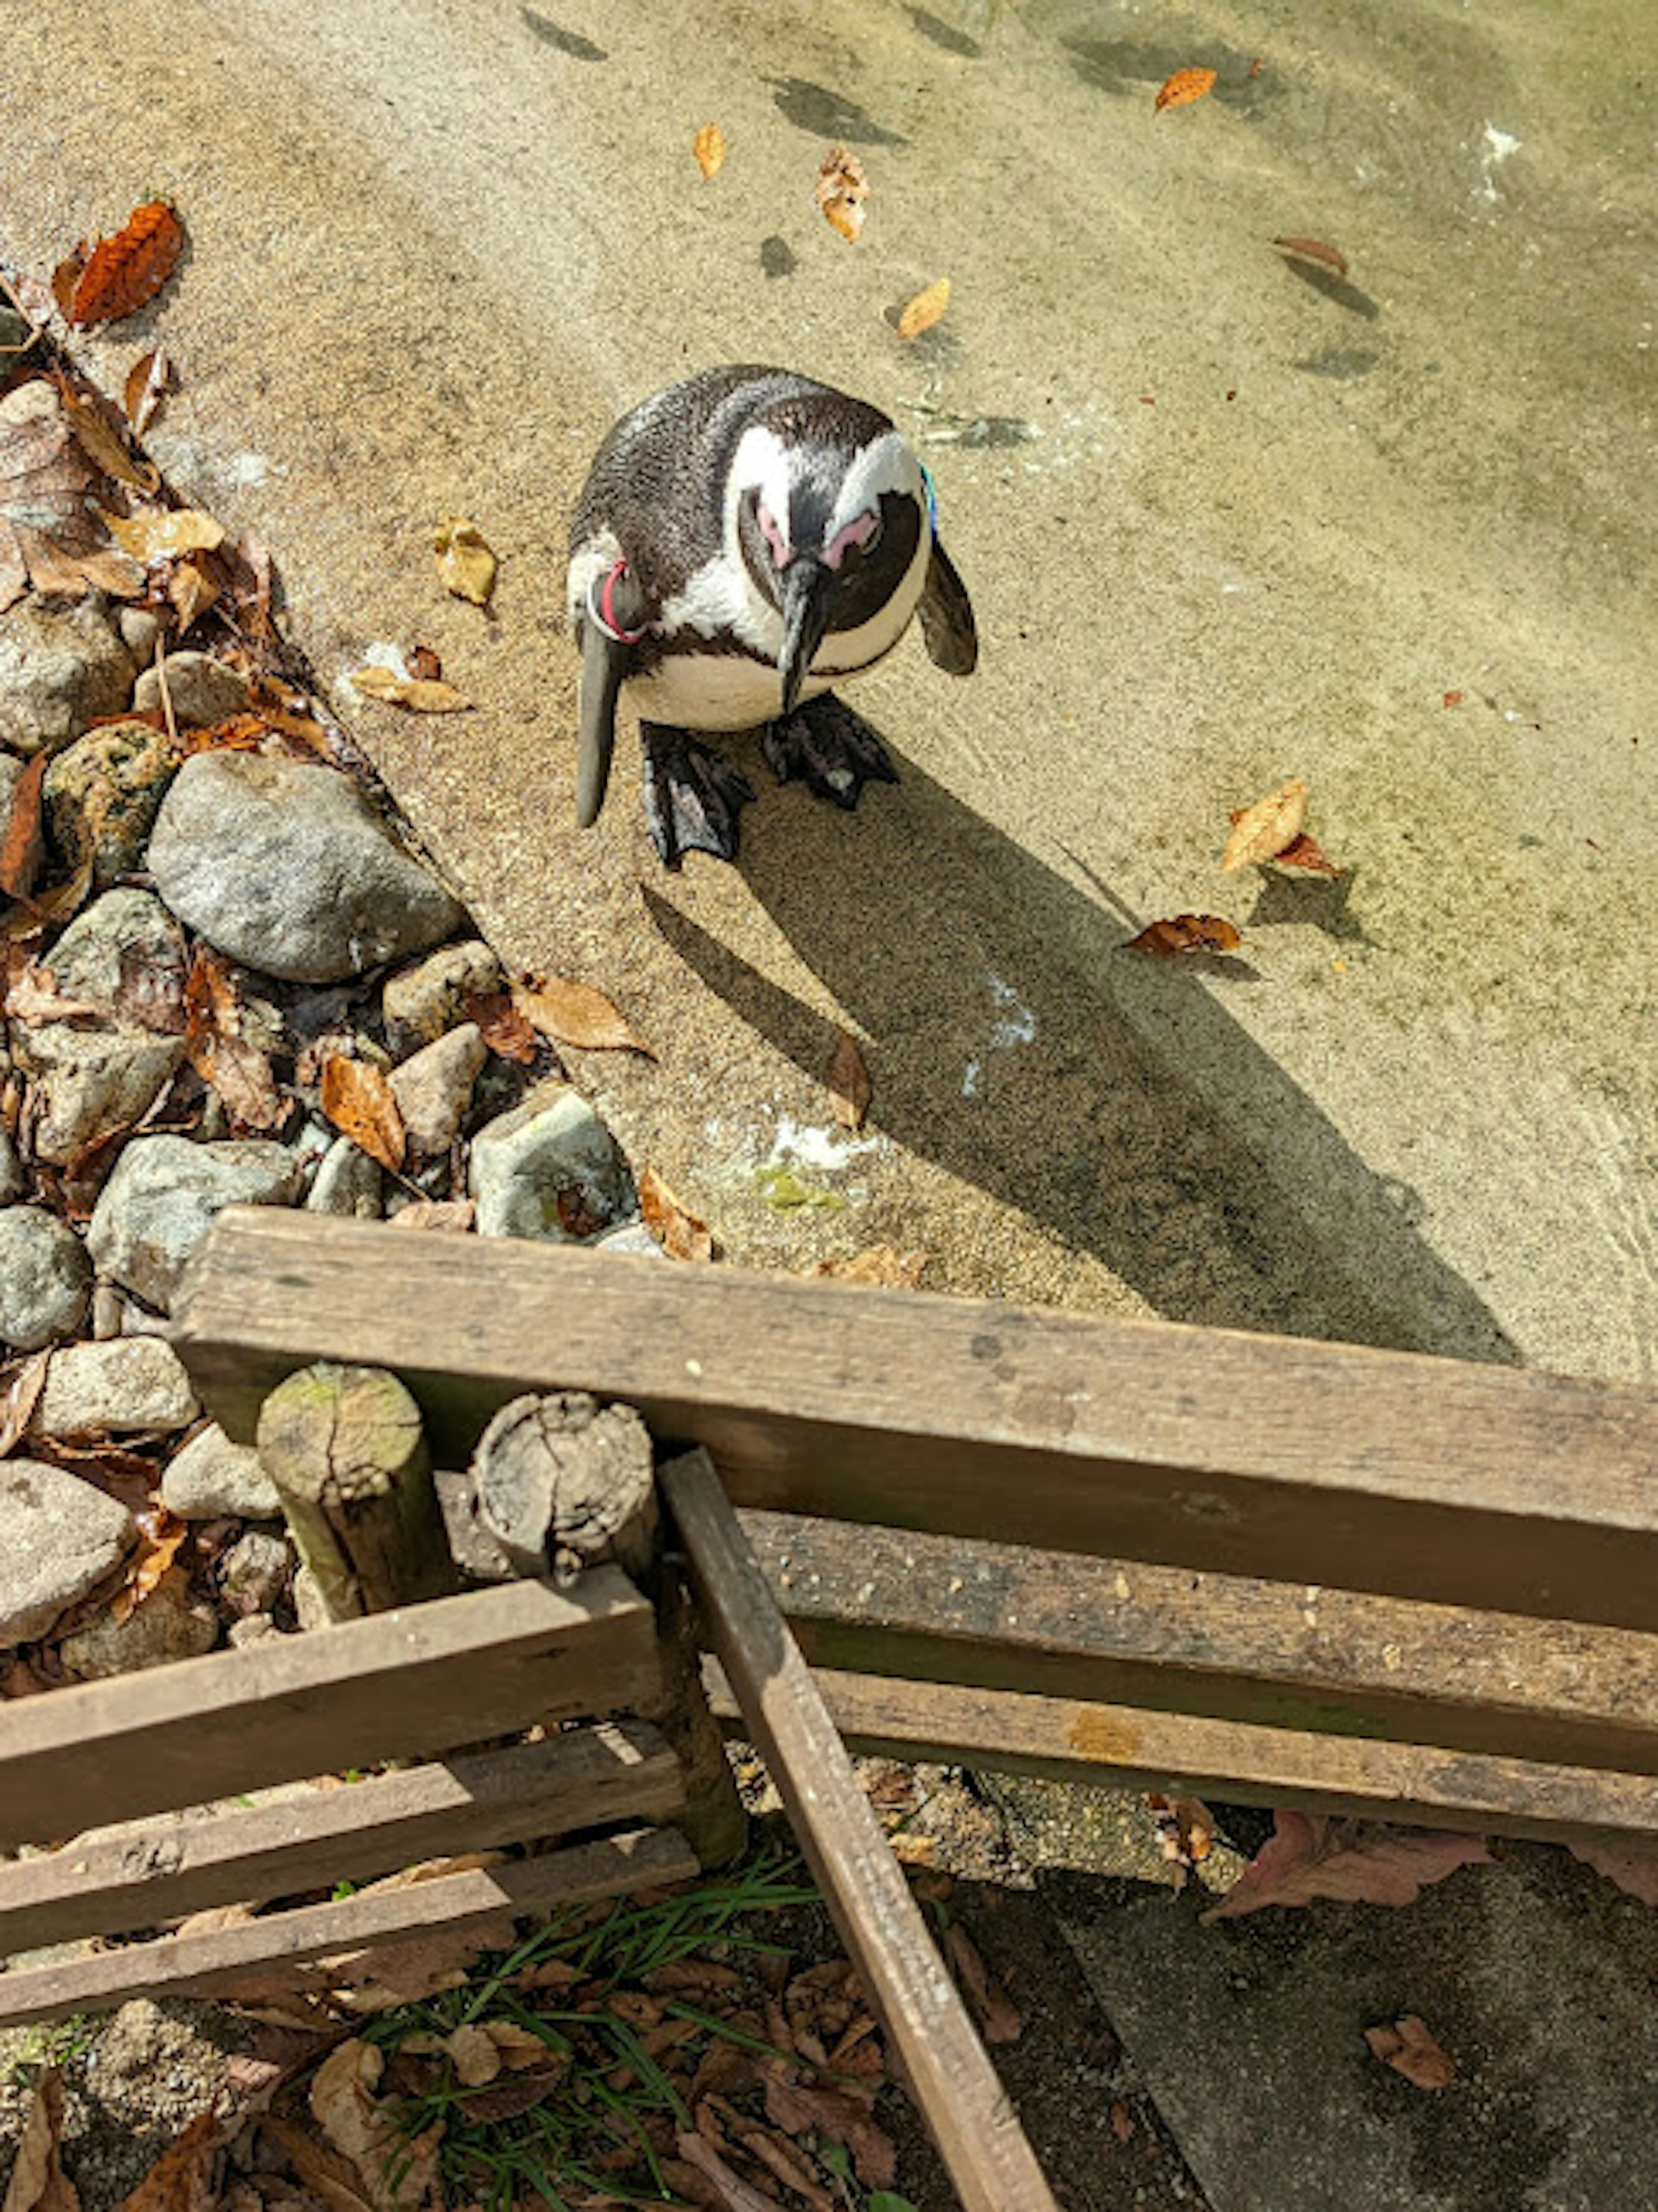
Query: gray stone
[
  {"x": 203, "y": 690},
  {"x": 125, "y": 925},
  {"x": 423, "y": 1001},
  {"x": 632, "y": 1237},
  {"x": 13, "y": 1181},
  {"x": 107, "y": 787},
  {"x": 288, "y": 867},
  {"x": 213, "y": 1480},
  {"x": 59, "y": 668},
  {"x": 109, "y": 1312},
  {"x": 550, "y": 1169},
  {"x": 11, "y": 771},
  {"x": 59, "y": 1537},
  {"x": 45, "y": 1278},
  {"x": 33, "y": 402},
  {"x": 136, "y": 1384},
  {"x": 434, "y": 1087},
  {"x": 139, "y": 630},
  {"x": 309, "y": 1611},
  {"x": 348, "y": 1183},
  {"x": 159, "y": 1203},
  {"x": 255, "y": 1628},
  {"x": 154, "y": 1634},
  {"x": 253, "y": 1573}
]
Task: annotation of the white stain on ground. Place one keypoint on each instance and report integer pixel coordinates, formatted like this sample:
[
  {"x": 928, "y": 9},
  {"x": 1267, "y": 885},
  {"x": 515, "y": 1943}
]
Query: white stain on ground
[
  {"x": 1496, "y": 148},
  {"x": 1015, "y": 1023},
  {"x": 811, "y": 1145}
]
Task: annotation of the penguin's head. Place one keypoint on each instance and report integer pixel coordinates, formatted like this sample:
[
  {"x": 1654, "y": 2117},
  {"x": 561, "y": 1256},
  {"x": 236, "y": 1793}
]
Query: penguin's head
[{"x": 828, "y": 506}]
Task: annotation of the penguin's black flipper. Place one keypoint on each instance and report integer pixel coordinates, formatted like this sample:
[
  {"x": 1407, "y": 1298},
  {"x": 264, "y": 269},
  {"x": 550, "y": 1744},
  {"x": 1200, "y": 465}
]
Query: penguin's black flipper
[
  {"x": 948, "y": 629},
  {"x": 603, "y": 672},
  {"x": 833, "y": 752},
  {"x": 693, "y": 799}
]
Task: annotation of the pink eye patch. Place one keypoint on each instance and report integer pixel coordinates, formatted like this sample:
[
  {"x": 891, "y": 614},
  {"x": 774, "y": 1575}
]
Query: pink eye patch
[
  {"x": 855, "y": 533},
  {"x": 773, "y": 536}
]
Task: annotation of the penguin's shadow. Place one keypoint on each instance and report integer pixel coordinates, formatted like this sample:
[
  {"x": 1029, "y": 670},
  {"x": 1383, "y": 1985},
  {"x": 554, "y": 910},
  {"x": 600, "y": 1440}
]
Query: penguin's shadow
[{"x": 1113, "y": 1098}]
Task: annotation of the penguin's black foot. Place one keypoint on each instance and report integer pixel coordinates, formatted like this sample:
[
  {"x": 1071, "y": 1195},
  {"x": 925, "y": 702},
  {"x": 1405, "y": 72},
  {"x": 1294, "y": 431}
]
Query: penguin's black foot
[
  {"x": 693, "y": 798},
  {"x": 833, "y": 752}
]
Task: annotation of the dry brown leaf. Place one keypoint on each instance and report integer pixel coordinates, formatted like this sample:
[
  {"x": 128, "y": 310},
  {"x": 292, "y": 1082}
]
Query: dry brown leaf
[
  {"x": 999, "y": 2021},
  {"x": 37, "y": 2181},
  {"x": 849, "y": 1087},
  {"x": 842, "y": 188},
  {"x": 345, "y": 2108},
  {"x": 1187, "y": 932},
  {"x": 359, "y": 1100},
  {"x": 22, "y": 1396},
  {"x": 466, "y": 567},
  {"x": 23, "y": 847},
  {"x": 161, "y": 1533},
  {"x": 191, "y": 590},
  {"x": 102, "y": 441},
  {"x": 421, "y": 695},
  {"x": 1315, "y": 249},
  {"x": 882, "y": 1265},
  {"x": 1311, "y": 1854},
  {"x": 457, "y": 1214},
  {"x": 150, "y": 378},
  {"x": 924, "y": 309},
  {"x": 1306, "y": 856},
  {"x": 1261, "y": 832},
  {"x": 161, "y": 533},
  {"x": 50, "y": 535},
  {"x": 32, "y": 995},
  {"x": 576, "y": 1014},
  {"x": 1122, "y": 2121},
  {"x": 474, "y": 2054},
  {"x": 1631, "y": 1862},
  {"x": 218, "y": 1047},
  {"x": 1183, "y": 88},
  {"x": 679, "y": 1232},
  {"x": 709, "y": 147},
  {"x": 333, "y": 2180},
  {"x": 184, "y": 2177},
  {"x": 734, "y": 2193},
  {"x": 1186, "y": 1830},
  {"x": 503, "y": 1028},
  {"x": 843, "y": 2115},
  {"x": 1407, "y": 2046},
  {"x": 124, "y": 271}
]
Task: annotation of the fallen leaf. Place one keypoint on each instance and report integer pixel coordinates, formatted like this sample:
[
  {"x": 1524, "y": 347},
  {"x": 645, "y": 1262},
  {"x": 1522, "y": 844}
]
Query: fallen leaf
[
  {"x": 1315, "y": 249},
  {"x": 1122, "y": 2121},
  {"x": 424, "y": 662},
  {"x": 576, "y": 1014},
  {"x": 513, "y": 2093},
  {"x": 999, "y": 2022},
  {"x": 1410, "y": 2049},
  {"x": 849, "y": 1087},
  {"x": 218, "y": 1047},
  {"x": 1183, "y": 88},
  {"x": 456, "y": 1214},
  {"x": 129, "y": 267},
  {"x": 912, "y": 1850},
  {"x": 161, "y": 1533},
  {"x": 102, "y": 441},
  {"x": 333, "y": 2180},
  {"x": 51, "y": 536},
  {"x": 359, "y": 1100},
  {"x": 184, "y": 2177},
  {"x": 709, "y": 147},
  {"x": 924, "y": 309},
  {"x": 1185, "y": 1829},
  {"x": 1261, "y": 832},
  {"x": 882, "y": 1265},
  {"x": 1631, "y": 1862},
  {"x": 150, "y": 378},
  {"x": 841, "y": 2115},
  {"x": 22, "y": 1396},
  {"x": 1311, "y": 1854},
  {"x": 473, "y": 2053},
  {"x": 1307, "y": 855},
  {"x": 401, "y": 2171},
  {"x": 679, "y": 1233},
  {"x": 23, "y": 847},
  {"x": 843, "y": 188},
  {"x": 190, "y": 591},
  {"x": 420, "y": 693},
  {"x": 735, "y": 2194},
  {"x": 31, "y": 996},
  {"x": 37, "y": 2182},
  {"x": 466, "y": 567},
  {"x": 1187, "y": 932},
  {"x": 503, "y": 1028},
  {"x": 163, "y": 533}
]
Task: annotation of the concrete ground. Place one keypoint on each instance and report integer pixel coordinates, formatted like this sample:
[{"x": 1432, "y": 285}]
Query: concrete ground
[{"x": 1225, "y": 519}]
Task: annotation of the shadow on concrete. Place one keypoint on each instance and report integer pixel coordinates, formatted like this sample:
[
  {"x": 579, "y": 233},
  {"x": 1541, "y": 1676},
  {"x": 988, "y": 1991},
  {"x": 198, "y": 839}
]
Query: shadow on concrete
[{"x": 1113, "y": 1098}]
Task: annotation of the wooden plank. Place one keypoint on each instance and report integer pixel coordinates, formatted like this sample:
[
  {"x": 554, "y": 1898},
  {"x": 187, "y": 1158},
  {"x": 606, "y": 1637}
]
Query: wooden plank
[
  {"x": 140, "y": 1875},
  {"x": 943, "y": 2061},
  {"x": 478, "y": 1903},
  {"x": 1061, "y": 1740},
  {"x": 1117, "y": 1632},
  {"x": 1250, "y": 1455},
  {"x": 414, "y": 1681}
]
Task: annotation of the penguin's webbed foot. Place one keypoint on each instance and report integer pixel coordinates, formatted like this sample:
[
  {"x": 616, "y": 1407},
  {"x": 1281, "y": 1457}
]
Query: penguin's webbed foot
[
  {"x": 833, "y": 752},
  {"x": 692, "y": 797}
]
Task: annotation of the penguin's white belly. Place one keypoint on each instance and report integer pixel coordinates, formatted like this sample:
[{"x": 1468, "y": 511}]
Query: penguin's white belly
[{"x": 713, "y": 691}]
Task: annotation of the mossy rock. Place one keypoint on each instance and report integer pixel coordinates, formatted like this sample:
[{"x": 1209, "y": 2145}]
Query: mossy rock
[{"x": 108, "y": 786}]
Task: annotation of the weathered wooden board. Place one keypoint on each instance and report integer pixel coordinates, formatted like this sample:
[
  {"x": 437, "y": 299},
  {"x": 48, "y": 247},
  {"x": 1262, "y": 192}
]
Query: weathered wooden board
[
  {"x": 479, "y": 1903},
  {"x": 1252, "y": 1456},
  {"x": 147, "y": 1871},
  {"x": 1117, "y": 1632},
  {"x": 1062, "y": 1740},
  {"x": 977, "y": 2131},
  {"x": 414, "y": 1681}
]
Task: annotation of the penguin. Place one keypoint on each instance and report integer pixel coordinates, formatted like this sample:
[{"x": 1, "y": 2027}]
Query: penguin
[{"x": 745, "y": 542}]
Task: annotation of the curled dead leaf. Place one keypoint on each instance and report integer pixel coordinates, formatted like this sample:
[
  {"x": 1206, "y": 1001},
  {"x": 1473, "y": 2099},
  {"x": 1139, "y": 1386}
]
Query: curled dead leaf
[
  {"x": 37, "y": 2182},
  {"x": 359, "y": 1100},
  {"x": 927, "y": 309},
  {"x": 1183, "y": 88},
  {"x": 401, "y": 2171},
  {"x": 1315, "y": 249},
  {"x": 1312, "y": 1855},
  {"x": 220, "y": 1050},
  {"x": 999, "y": 2022},
  {"x": 23, "y": 846},
  {"x": 882, "y": 1265},
  {"x": 709, "y": 147},
  {"x": 849, "y": 1087},
  {"x": 1408, "y": 2047},
  {"x": 676, "y": 1230},
  {"x": 102, "y": 441},
  {"x": 466, "y": 567},
  {"x": 1262, "y": 830},
  {"x": 1187, "y": 932},
  {"x": 423, "y": 695},
  {"x": 1307, "y": 856},
  {"x": 842, "y": 188},
  {"x": 150, "y": 378},
  {"x": 126, "y": 270},
  {"x": 184, "y": 2177},
  {"x": 164, "y": 532},
  {"x": 569, "y": 1012}
]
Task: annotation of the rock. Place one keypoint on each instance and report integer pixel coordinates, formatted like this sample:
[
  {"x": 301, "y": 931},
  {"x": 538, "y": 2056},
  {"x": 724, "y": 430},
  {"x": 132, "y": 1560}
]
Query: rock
[
  {"x": 550, "y": 1169},
  {"x": 434, "y": 1087},
  {"x": 253, "y": 1573},
  {"x": 348, "y": 1183},
  {"x": 14, "y": 333},
  {"x": 154, "y": 1634},
  {"x": 133, "y": 1384},
  {"x": 124, "y": 926},
  {"x": 254, "y": 1629},
  {"x": 13, "y": 1181},
  {"x": 11, "y": 771},
  {"x": 59, "y": 1537},
  {"x": 426, "y": 1001},
  {"x": 632, "y": 1237},
  {"x": 45, "y": 1278},
  {"x": 288, "y": 867},
  {"x": 159, "y": 1203},
  {"x": 203, "y": 690},
  {"x": 214, "y": 1480},
  {"x": 33, "y": 402},
  {"x": 109, "y": 785},
  {"x": 109, "y": 1312},
  {"x": 309, "y": 1611},
  {"x": 59, "y": 667},
  {"x": 139, "y": 630}
]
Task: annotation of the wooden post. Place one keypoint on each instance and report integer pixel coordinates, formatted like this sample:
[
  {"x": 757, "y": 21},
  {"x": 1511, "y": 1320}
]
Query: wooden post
[
  {"x": 564, "y": 1483},
  {"x": 344, "y": 1447}
]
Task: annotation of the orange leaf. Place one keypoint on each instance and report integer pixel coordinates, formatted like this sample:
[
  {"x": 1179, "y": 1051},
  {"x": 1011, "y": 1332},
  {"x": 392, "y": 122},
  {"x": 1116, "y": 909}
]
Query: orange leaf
[
  {"x": 842, "y": 188},
  {"x": 1261, "y": 832},
  {"x": 191, "y": 590},
  {"x": 849, "y": 1087},
  {"x": 1306, "y": 855},
  {"x": 358, "y": 1100},
  {"x": 575, "y": 1014},
  {"x": 679, "y": 1233},
  {"x": 1410, "y": 2049},
  {"x": 220, "y": 1051},
  {"x": 1315, "y": 249},
  {"x": 882, "y": 1265},
  {"x": 23, "y": 847},
  {"x": 130, "y": 268},
  {"x": 422, "y": 694},
  {"x": 1187, "y": 932},
  {"x": 162, "y": 1533},
  {"x": 709, "y": 147},
  {"x": 1183, "y": 88},
  {"x": 924, "y": 309}
]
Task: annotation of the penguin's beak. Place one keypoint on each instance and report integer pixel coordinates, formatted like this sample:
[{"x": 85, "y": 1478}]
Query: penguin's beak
[{"x": 806, "y": 585}]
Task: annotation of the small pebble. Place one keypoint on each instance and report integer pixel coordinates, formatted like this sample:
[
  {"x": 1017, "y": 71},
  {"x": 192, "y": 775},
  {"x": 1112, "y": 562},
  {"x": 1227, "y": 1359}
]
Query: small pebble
[
  {"x": 212, "y": 1479},
  {"x": 132, "y": 1385}
]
